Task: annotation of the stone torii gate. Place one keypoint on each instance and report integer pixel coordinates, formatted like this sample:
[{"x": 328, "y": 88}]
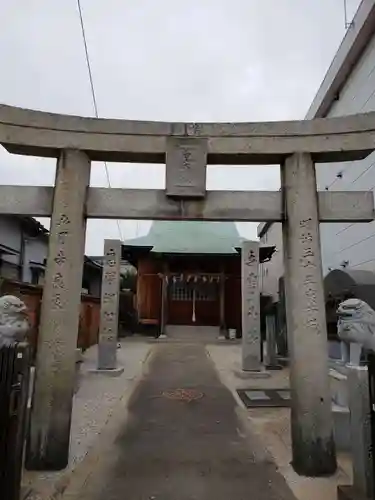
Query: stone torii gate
[{"x": 186, "y": 149}]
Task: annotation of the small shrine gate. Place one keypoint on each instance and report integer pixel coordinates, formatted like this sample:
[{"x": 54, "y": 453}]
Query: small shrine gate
[{"x": 186, "y": 149}]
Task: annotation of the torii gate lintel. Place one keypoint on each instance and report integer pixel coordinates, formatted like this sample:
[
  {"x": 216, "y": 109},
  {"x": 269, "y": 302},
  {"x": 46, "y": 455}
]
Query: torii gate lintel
[{"x": 187, "y": 149}]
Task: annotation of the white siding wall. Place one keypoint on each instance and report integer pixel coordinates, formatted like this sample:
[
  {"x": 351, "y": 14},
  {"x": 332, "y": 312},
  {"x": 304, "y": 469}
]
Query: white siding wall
[{"x": 351, "y": 242}]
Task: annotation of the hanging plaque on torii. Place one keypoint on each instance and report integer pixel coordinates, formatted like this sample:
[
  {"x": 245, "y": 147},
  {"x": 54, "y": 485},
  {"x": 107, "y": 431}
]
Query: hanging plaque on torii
[{"x": 186, "y": 164}]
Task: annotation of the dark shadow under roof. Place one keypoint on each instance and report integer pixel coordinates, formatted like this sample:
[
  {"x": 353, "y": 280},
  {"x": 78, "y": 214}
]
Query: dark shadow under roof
[{"x": 360, "y": 284}]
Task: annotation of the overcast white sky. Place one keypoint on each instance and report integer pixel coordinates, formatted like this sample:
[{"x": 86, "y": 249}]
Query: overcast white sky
[{"x": 175, "y": 60}]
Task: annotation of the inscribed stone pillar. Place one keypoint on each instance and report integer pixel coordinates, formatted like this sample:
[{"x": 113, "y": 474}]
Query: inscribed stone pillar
[
  {"x": 164, "y": 299},
  {"x": 251, "y": 354},
  {"x": 107, "y": 354},
  {"x": 222, "y": 302},
  {"x": 48, "y": 444},
  {"x": 311, "y": 415}
]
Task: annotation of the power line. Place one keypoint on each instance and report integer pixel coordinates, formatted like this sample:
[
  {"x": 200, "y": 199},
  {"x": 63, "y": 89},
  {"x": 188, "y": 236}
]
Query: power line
[{"x": 93, "y": 94}]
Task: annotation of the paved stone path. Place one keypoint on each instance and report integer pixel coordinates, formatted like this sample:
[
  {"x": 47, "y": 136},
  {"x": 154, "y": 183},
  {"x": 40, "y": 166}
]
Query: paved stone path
[{"x": 185, "y": 449}]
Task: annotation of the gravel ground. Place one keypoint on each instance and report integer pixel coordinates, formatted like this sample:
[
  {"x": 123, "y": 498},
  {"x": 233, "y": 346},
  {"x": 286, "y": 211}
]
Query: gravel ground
[{"x": 93, "y": 405}]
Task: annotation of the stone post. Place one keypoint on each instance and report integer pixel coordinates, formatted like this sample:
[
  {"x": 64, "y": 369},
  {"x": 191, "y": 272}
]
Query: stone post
[
  {"x": 251, "y": 353},
  {"x": 311, "y": 415},
  {"x": 271, "y": 358},
  {"x": 109, "y": 305},
  {"x": 223, "y": 328},
  {"x": 360, "y": 430},
  {"x": 48, "y": 442},
  {"x": 164, "y": 300}
]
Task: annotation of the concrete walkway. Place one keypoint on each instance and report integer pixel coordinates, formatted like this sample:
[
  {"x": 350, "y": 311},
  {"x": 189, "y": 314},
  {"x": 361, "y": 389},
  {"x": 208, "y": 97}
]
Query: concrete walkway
[
  {"x": 96, "y": 404},
  {"x": 183, "y": 445},
  {"x": 272, "y": 425}
]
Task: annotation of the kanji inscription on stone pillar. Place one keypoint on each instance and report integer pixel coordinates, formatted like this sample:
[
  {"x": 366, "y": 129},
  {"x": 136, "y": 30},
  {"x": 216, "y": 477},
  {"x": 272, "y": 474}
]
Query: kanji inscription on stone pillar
[
  {"x": 313, "y": 444},
  {"x": 251, "y": 360},
  {"x": 48, "y": 443},
  {"x": 186, "y": 163},
  {"x": 109, "y": 306}
]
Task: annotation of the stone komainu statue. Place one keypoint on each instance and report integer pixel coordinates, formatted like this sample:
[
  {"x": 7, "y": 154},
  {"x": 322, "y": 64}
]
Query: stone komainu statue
[
  {"x": 14, "y": 323},
  {"x": 355, "y": 328}
]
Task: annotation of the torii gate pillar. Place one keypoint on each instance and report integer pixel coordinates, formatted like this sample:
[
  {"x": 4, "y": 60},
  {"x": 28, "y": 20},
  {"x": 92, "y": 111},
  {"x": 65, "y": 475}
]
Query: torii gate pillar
[
  {"x": 48, "y": 442},
  {"x": 311, "y": 418}
]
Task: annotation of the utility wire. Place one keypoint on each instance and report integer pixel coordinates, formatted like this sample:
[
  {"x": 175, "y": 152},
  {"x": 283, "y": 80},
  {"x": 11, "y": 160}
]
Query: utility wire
[{"x": 93, "y": 94}]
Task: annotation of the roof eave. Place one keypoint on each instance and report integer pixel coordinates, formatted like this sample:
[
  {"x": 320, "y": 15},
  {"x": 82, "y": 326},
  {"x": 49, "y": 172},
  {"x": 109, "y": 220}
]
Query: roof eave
[
  {"x": 351, "y": 48},
  {"x": 265, "y": 252}
]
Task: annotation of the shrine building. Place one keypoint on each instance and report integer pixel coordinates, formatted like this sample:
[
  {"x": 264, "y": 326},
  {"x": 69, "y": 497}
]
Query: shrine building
[{"x": 189, "y": 273}]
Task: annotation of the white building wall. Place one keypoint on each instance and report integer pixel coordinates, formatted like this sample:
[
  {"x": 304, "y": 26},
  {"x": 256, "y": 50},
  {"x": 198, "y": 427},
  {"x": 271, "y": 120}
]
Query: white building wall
[{"x": 352, "y": 243}]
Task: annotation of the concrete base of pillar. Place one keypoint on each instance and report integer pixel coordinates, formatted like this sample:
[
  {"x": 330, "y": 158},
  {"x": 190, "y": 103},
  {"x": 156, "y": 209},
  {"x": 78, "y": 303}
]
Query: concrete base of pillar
[
  {"x": 115, "y": 372},
  {"x": 107, "y": 355},
  {"x": 252, "y": 363},
  {"x": 273, "y": 367},
  {"x": 245, "y": 375}
]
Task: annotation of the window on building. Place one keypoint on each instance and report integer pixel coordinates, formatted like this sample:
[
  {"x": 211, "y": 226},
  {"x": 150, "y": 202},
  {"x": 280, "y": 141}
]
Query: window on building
[
  {"x": 10, "y": 270},
  {"x": 186, "y": 291},
  {"x": 181, "y": 291}
]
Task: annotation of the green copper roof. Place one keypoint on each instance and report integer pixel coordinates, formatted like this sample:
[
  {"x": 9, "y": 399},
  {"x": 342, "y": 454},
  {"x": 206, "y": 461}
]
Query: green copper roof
[{"x": 194, "y": 237}]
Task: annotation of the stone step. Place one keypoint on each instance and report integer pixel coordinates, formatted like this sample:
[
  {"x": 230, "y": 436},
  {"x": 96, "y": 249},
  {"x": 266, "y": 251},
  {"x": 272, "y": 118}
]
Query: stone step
[{"x": 193, "y": 332}]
